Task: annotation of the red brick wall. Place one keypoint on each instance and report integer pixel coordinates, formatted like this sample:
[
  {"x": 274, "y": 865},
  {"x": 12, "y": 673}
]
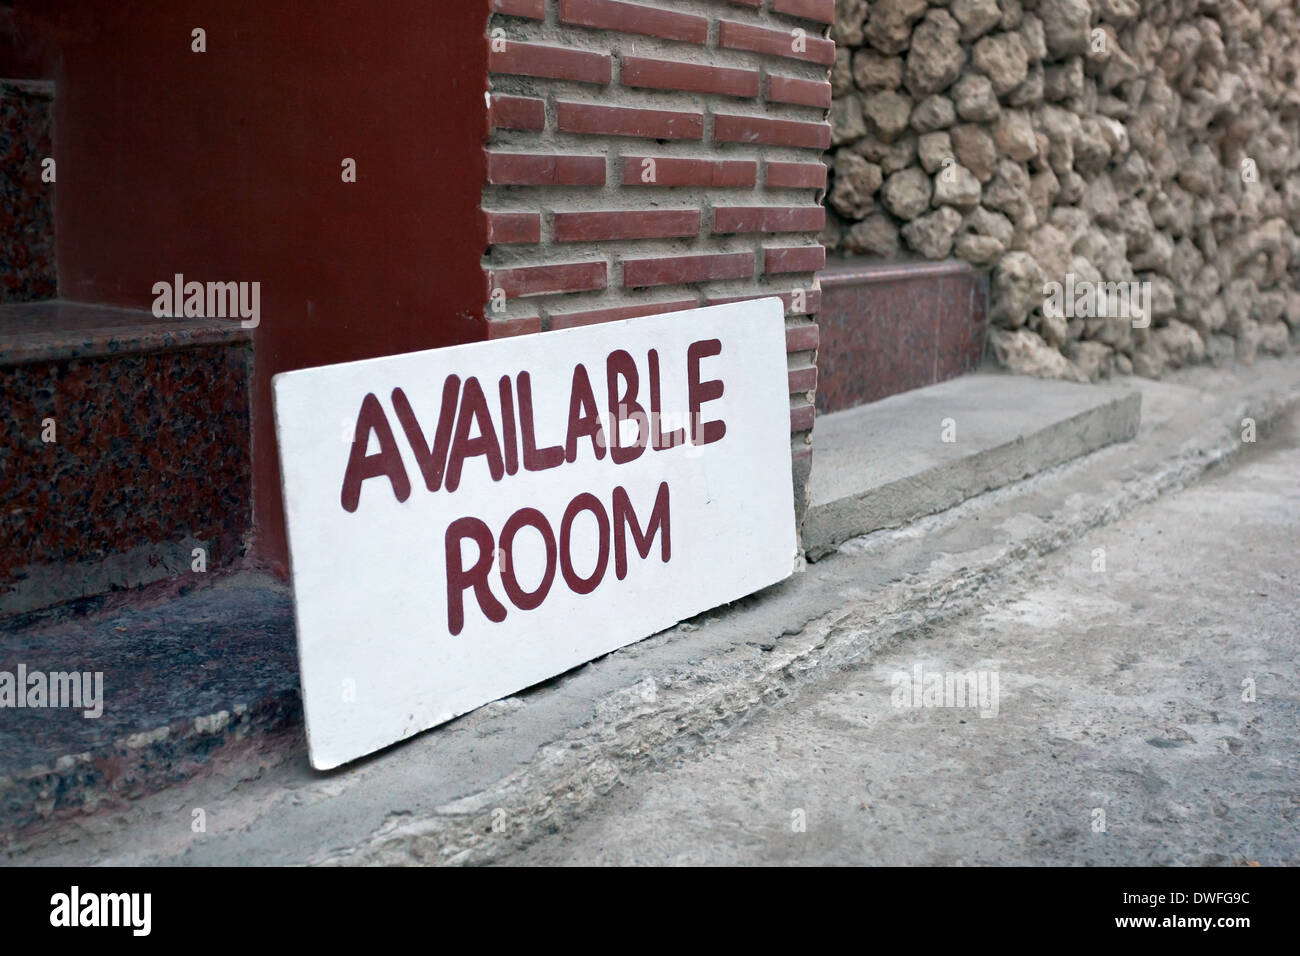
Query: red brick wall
[{"x": 650, "y": 157}]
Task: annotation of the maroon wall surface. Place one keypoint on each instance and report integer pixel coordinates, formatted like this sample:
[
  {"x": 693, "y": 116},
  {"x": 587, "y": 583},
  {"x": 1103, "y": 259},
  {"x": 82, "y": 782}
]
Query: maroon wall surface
[{"x": 225, "y": 166}]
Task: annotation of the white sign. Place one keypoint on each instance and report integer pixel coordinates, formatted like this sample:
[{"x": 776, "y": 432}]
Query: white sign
[{"x": 468, "y": 521}]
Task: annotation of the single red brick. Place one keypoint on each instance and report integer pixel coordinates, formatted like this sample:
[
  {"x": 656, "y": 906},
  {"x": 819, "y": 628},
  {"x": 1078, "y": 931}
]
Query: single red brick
[
  {"x": 517, "y": 112},
  {"x": 796, "y": 175},
  {"x": 552, "y": 62},
  {"x": 532, "y": 9},
  {"x": 626, "y": 224},
  {"x": 801, "y": 338},
  {"x": 774, "y": 132},
  {"x": 545, "y": 169},
  {"x": 810, "y": 301},
  {"x": 671, "y": 270},
  {"x": 635, "y": 18},
  {"x": 629, "y": 121},
  {"x": 802, "y": 418},
  {"x": 505, "y": 227},
  {"x": 668, "y": 171},
  {"x": 692, "y": 77},
  {"x": 823, "y": 11},
  {"x": 504, "y": 328},
  {"x": 768, "y": 218},
  {"x": 803, "y": 379},
  {"x": 569, "y": 320},
  {"x": 520, "y": 281},
  {"x": 787, "y": 43},
  {"x": 793, "y": 259},
  {"x": 790, "y": 89}
]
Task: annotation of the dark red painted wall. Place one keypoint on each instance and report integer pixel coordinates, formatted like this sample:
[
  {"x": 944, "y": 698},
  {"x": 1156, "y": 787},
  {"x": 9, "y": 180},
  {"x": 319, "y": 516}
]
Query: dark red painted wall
[{"x": 225, "y": 165}]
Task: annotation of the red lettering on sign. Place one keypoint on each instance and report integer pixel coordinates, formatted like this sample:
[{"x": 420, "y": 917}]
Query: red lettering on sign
[
  {"x": 576, "y": 583},
  {"x": 387, "y": 461},
  {"x": 703, "y": 433},
  {"x": 678, "y": 435},
  {"x": 535, "y": 459},
  {"x": 624, "y": 407},
  {"x": 509, "y": 443},
  {"x": 431, "y": 460},
  {"x": 524, "y": 518},
  {"x": 584, "y": 419},
  {"x": 473, "y": 410},
  {"x": 478, "y": 576},
  {"x": 625, "y": 520},
  {"x": 458, "y": 579},
  {"x": 466, "y": 427}
]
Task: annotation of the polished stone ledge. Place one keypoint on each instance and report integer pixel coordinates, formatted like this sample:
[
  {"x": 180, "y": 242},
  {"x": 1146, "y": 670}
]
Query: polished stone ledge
[
  {"x": 56, "y": 330},
  {"x": 889, "y": 327}
]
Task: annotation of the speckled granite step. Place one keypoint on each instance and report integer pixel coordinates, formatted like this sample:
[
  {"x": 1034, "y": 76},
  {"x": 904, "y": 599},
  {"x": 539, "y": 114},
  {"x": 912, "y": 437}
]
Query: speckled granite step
[{"x": 124, "y": 450}]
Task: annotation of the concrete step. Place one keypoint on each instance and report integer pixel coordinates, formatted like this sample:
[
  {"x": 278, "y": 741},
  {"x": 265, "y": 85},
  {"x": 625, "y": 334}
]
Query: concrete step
[{"x": 888, "y": 463}]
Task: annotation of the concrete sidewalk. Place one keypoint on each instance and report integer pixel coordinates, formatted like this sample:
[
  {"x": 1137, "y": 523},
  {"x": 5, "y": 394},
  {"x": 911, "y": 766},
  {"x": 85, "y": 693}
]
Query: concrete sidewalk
[
  {"x": 500, "y": 778},
  {"x": 1137, "y": 703}
]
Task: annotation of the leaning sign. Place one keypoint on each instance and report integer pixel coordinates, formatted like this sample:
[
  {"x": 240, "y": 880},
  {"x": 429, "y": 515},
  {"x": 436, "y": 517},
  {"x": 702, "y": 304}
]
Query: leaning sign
[{"x": 468, "y": 521}]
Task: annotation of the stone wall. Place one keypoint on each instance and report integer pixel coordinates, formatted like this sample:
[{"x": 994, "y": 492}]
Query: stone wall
[{"x": 1081, "y": 142}]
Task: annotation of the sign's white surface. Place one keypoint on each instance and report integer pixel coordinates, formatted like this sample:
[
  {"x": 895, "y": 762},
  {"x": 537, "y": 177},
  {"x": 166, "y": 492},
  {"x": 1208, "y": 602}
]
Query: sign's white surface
[{"x": 465, "y": 522}]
